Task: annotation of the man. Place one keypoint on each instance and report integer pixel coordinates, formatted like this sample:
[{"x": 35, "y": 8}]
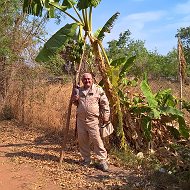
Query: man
[{"x": 92, "y": 104}]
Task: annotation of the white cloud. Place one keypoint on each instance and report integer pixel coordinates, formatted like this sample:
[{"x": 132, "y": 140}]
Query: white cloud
[
  {"x": 157, "y": 28},
  {"x": 146, "y": 16},
  {"x": 183, "y": 8},
  {"x": 136, "y": 23},
  {"x": 139, "y": 25}
]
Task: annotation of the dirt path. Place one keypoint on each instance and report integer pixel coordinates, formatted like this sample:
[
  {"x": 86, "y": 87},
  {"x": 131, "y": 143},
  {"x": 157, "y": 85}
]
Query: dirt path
[
  {"x": 17, "y": 173},
  {"x": 22, "y": 177},
  {"x": 29, "y": 161}
]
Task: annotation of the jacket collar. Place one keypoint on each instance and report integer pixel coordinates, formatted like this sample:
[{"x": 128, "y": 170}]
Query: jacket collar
[{"x": 90, "y": 91}]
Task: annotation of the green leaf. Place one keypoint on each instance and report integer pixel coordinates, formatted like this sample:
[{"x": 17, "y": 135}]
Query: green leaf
[
  {"x": 34, "y": 7},
  {"x": 140, "y": 110},
  {"x": 51, "y": 12},
  {"x": 60, "y": 7},
  {"x": 136, "y": 100},
  {"x": 155, "y": 113},
  {"x": 125, "y": 81},
  {"x": 146, "y": 124},
  {"x": 46, "y": 3},
  {"x": 118, "y": 62},
  {"x": 114, "y": 75},
  {"x": 165, "y": 98},
  {"x": 69, "y": 3},
  {"x": 56, "y": 41},
  {"x": 134, "y": 82},
  {"x": 108, "y": 26},
  {"x": 126, "y": 67},
  {"x": 84, "y": 4},
  {"x": 148, "y": 94},
  {"x": 171, "y": 111},
  {"x": 186, "y": 105},
  {"x": 183, "y": 127},
  {"x": 174, "y": 132}
]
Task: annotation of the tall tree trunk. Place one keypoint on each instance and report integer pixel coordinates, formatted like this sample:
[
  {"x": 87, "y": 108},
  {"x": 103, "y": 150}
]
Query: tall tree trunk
[{"x": 182, "y": 69}]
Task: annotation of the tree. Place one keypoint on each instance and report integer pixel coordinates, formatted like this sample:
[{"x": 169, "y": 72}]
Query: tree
[
  {"x": 127, "y": 47},
  {"x": 18, "y": 40},
  {"x": 81, "y": 30}
]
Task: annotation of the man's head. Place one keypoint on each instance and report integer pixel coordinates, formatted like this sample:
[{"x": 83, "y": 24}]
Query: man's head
[{"x": 87, "y": 80}]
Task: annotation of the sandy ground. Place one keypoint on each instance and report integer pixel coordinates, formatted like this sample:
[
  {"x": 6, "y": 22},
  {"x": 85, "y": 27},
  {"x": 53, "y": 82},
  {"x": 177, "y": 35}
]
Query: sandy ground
[
  {"x": 15, "y": 175},
  {"x": 29, "y": 160},
  {"x": 22, "y": 177}
]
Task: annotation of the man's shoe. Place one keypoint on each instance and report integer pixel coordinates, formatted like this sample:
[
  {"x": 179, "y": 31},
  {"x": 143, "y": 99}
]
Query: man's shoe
[
  {"x": 86, "y": 163},
  {"x": 103, "y": 166}
]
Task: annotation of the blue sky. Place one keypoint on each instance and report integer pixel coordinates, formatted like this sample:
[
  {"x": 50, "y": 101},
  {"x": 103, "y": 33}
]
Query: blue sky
[{"x": 155, "y": 22}]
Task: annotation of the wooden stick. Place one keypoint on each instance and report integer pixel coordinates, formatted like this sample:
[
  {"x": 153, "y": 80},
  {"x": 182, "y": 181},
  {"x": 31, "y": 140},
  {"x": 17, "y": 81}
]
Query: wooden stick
[
  {"x": 66, "y": 129},
  {"x": 75, "y": 83}
]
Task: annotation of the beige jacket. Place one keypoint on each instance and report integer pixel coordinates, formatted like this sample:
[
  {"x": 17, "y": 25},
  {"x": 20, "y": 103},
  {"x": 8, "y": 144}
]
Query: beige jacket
[{"x": 92, "y": 103}]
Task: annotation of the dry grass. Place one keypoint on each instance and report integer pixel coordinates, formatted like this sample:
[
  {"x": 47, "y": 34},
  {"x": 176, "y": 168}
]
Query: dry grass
[{"x": 42, "y": 105}]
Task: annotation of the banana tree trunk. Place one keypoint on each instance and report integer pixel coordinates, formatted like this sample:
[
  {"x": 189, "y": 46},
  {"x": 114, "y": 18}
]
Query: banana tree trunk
[{"x": 116, "y": 112}]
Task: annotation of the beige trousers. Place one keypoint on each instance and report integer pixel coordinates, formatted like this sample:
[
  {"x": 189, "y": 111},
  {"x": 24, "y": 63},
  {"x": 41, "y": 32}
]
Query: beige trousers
[{"x": 88, "y": 131}]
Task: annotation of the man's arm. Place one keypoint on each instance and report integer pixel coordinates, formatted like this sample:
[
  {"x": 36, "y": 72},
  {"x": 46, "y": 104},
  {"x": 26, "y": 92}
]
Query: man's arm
[{"x": 75, "y": 96}]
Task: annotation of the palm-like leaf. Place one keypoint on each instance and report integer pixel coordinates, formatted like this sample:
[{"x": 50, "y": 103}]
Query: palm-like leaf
[
  {"x": 69, "y": 3},
  {"x": 34, "y": 7},
  {"x": 60, "y": 7},
  {"x": 84, "y": 4},
  {"x": 126, "y": 67},
  {"x": 148, "y": 94},
  {"x": 56, "y": 41},
  {"x": 108, "y": 26},
  {"x": 183, "y": 128},
  {"x": 118, "y": 62}
]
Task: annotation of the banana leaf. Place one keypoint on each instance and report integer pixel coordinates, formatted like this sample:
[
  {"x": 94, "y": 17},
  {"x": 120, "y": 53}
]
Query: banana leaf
[
  {"x": 118, "y": 62},
  {"x": 60, "y": 38},
  {"x": 183, "y": 127},
  {"x": 36, "y": 7},
  {"x": 84, "y": 4},
  {"x": 148, "y": 94},
  {"x": 108, "y": 26},
  {"x": 69, "y": 3},
  {"x": 146, "y": 124},
  {"x": 171, "y": 111},
  {"x": 126, "y": 67}
]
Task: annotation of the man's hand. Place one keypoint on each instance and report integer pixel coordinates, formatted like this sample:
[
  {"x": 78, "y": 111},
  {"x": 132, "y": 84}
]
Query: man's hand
[{"x": 75, "y": 98}]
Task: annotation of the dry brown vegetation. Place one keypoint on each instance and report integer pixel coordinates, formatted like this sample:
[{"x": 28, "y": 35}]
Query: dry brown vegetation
[
  {"x": 44, "y": 103},
  {"x": 39, "y": 107}
]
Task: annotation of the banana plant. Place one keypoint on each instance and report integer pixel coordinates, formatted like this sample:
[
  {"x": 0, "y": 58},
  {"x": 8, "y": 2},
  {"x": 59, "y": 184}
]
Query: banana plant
[
  {"x": 161, "y": 106},
  {"x": 81, "y": 27}
]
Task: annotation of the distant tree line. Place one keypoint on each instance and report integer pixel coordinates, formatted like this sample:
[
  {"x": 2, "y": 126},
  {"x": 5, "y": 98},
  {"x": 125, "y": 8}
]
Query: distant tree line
[{"x": 150, "y": 62}]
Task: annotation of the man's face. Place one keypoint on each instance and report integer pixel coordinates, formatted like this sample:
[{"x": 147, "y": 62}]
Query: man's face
[{"x": 87, "y": 80}]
